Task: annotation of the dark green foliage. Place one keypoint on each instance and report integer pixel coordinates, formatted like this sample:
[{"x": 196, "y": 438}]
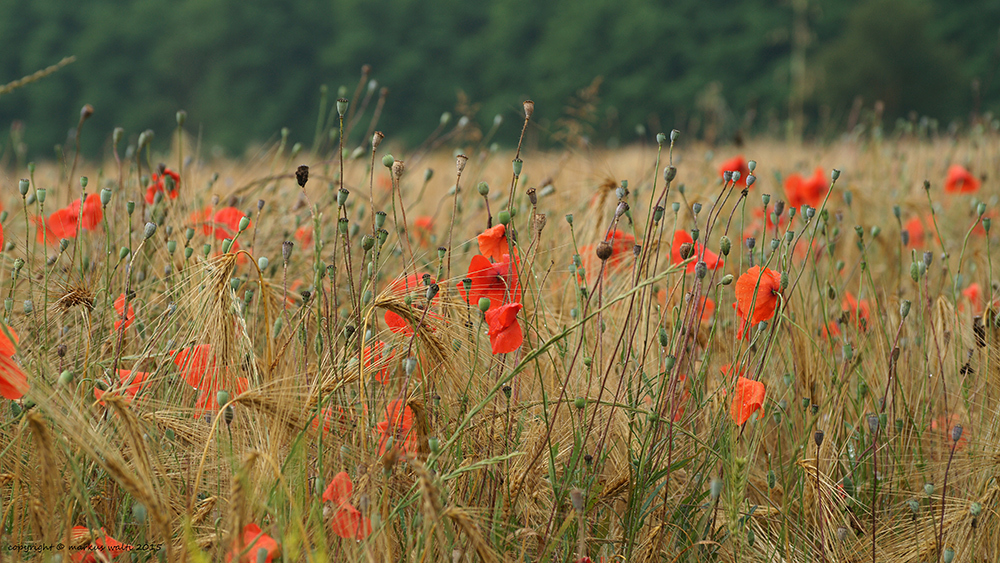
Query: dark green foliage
[{"x": 243, "y": 69}]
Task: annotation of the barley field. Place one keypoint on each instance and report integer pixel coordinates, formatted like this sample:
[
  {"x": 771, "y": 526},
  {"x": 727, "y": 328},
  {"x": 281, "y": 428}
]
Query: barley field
[{"x": 664, "y": 352}]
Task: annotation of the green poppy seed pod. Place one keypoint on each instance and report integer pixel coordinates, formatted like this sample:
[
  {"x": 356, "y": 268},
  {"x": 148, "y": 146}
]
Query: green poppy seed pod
[
  {"x": 896, "y": 211},
  {"x": 432, "y": 290},
  {"x": 775, "y": 243},
  {"x": 342, "y": 106},
  {"x": 222, "y": 397},
  {"x": 980, "y": 209},
  {"x": 915, "y": 271},
  {"x": 428, "y": 174},
  {"x": 143, "y": 139},
  {"x": 29, "y": 306},
  {"x": 696, "y": 208},
  {"x": 503, "y": 217},
  {"x": 342, "y": 224},
  {"x": 149, "y": 230},
  {"x": 751, "y": 165},
  {"x": 138, "y": 509},
  {"x": 669, "y": 173},
  {"x": 766, "y": 198},
  {"x": 661, "y": 138},
  {"x": 342, "y": 194},
  {"x": 262, "y": 262},
  {"x": 875, "y": 231},
  {"x": 736, "y": 176},
  {"x": 171, "y": 246},
  {"x": 517, "y": 163},
  {"x": 105, "y": 196},
  {"x": 235, "y": 283},
  {"x": 181, "y": 118},
  {"x": 83, "y": 182},
  {"x": 244, "y": 223},
  {"x": 834, "y": 174},
  {"x": 226, "y": 245},
  {"x": 975, "y": 509},
  {"x": 484, "y": 302},
  {"x": 700, "y": 269},
  {"x": 63, "y": 244},
  {"x": 928, "y": 489},
  {"x": 441, "y": 252},
  {"x": 674, "y": 134},
  {"x": 380, "y": 219},
  {"x": 383, "y": 235},
  {"x": 873, "y": 423},
  {"x": 22, "y": 186},
  {"x": 949, "y": 555},
  {"x": 784, "y": 281},
  {"x": 848, "y": 197},
  {"x": 445, "y": 118},
  {"x": 579, "y": 403},
  {"x": 484, "y": 189},
  {"x": 664, "y": 337},
  {"x": 848, "y": 352},
  {"x": 751, "y": 179},
  {"x": 914, "y": 505},
  {"x": 387, "y": 160},
  {"x": 286, "y": 250},
  {"x": 188, "y": 252},
  {"x": 40, "y": 195},
  {"x": 715, "y": 488},
  {"x": 130, "y": 207},
  {"x": 657, "y": 213},
  {"x": 367, "y": 242},
  {"x": 668, "y": 363},
  {"x": 727, "y": 279},
  {"x": 569, "y": 218},
  {"x": 956, "y": 433},
  {"x": 904, "y": 308},
  {"x": 248, "y": 296},
  {"x": 789, "y": 235},
  {"x": 986, "y": 224},
  {"x": 751, "y": 242},
  {"x": 116, "y": 135},
  {"x": 434, "y": 444}
]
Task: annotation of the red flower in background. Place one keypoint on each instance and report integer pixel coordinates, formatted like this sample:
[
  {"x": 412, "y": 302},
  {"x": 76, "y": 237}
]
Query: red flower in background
[
  {"x": 398, "y": 425},
  {"x": 374, "y": 358},
  {"x": 960, "y": 180},
  {"x": 102, "y": 546},
  {"x": 799, "y": 190},
  {"x": 756, "y": 300},
  {"x": 504, "y": 330},
  {"x": 65, "y": 222},
  {"x": 735, "y": 164},
  {"x": 200, "y": 370},
  {"x": 711, "y": 259},
  {"x": 915, "y": 228},
  {"x": 303, "y": 234},
  {"x": 748, "y": 399},
  {"x": 128, "y": 392},
  {"x": 493, "y": 243},
  {"x": 120, "y": 311},
  {"x": 622, "y": 248},
  {"x": 423, "y": 227},
  {"x": 254, "y": 540},
  {"x": 92, "y": 212},
  {"x": 858, "y": 309},
  {"x": 496, "y": 281},
  {"x": 412, "y": 284},
  {"x": 347, "y": 520},
  {"x": 13, "y": 381},
  {"x": 157, "y": 185}
]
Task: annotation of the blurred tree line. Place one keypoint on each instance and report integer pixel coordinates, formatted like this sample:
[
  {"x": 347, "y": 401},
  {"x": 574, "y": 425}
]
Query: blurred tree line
[{"x": 243, "y": 69}]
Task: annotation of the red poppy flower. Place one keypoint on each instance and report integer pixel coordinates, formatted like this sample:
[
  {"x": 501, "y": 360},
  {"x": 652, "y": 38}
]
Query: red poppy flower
[
  {"x": 398, "y": 425},
  {"x": 915, "y": 228},
  {"x": 347, "y": 520},
  {"x": 945, "y": 424},
  {"x": 711, "y": 259},
  {"x": 375, "y": 359},
  {"x": 330, "y": 416},
  {"x": 59, "y": 225},
  {"x": 412, "y": 284},
  {"x": 748, "y": 399},
  {"x": 254, "y": 540},
  {"x": 622, "y": 248},
  {"x": 92, "y": 212},
  {"x": 753, "y": 309},
  {"x": 493, "y": 243},
  {"x": 974, "y": 293},
  {"x": 134, "y": 385},
  {"x": 225, "y": 224},
  {"x": 13, "y": 381},
  {"x": 423, "y": 227},
  {"x": 504, "y": 330},
  {"x": 303, "y": 234},
  {"x": 8, "y": 346},
  {"x": 735, "y": 164},
  {"x": 157, "y": 185},
  {"x": 120, "y": 311},
  {"x": 858, "y": 310},
  {"x": 496, "y": 281},
  {"x": 102, "y": 546},
  {"x": 960, "y": 180},
  {"x": 800, "y": 191},
  {"x": 200, "y": 370}
]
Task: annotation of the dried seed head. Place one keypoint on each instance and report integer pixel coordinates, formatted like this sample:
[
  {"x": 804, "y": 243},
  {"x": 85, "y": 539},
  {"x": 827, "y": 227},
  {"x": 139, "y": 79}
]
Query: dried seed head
[
  {"x": 576, "y": 496},
  {"x": 286, "y": 250},
  {"x": 604, "y": 250},
  {"x": 460, "y": 161},
  {"x": 956, "y": 433},
  {"x": 397, "y": 168},
  {"x": 301, "y": 175},
  {"x": 532, "y": 196},
  {"x": 669, "y": 173},
  {"x": 86, "y": 111},
  {"x": 377, "y": 139},
  {"x": 686, "y": 250},
  {"x": 529, "y": 108},
  {"x": 818, "y": 438}
]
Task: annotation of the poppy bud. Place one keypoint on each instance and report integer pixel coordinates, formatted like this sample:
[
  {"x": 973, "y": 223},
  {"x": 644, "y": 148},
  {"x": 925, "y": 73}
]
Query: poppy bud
[
  {"x": 949, "y": 555},
  {"x": 222, "y": 397},
  {"x": 503, "y": 217},
  {"x": 377, "y": 140},
  {"x": 171, "y": 246},
  {"x": 286, "y": 250},
  {"x": 149, "y": 230},
  {"x": 86, "y": 111},
  {"x": 915, "y": 271},
  {"x": 342, "y": 106},
  {"x": 460, "y": 161},
  {"x": 975, "y": 509},
  {"x": 766, "y": 198},
  {"x": 244, "y": 223},
  {"x": 432, "y": 290},
  {"x": 928, "y": 258},
  {"x": 40, "y": 195},
  {"x": 661, "y": 138},
  {"x": 579, "y": 403},
  {"x": 904, "y": 308},
  {"x": 569, "y": 218},
  {"x": 397, "y": 168},
  {"x": 669, "y": 173},
  {"x": 484, "y": 189},
  {"x": 727, "y": 279},
  {"x": 226, "y": 245},
  {"x": 105, "y": 196},
  {"x": 956, "y": 433},
  {"x": 784, "y": 281},
  {"x": 484, "y": 302},
  {"x": 664, "y": 337},
  {"x": 22, "y": 187},
  {"x": 928, "y": 489},
  {"x": 517, "y": 163},
  {"x": 835, "y": 174}
]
